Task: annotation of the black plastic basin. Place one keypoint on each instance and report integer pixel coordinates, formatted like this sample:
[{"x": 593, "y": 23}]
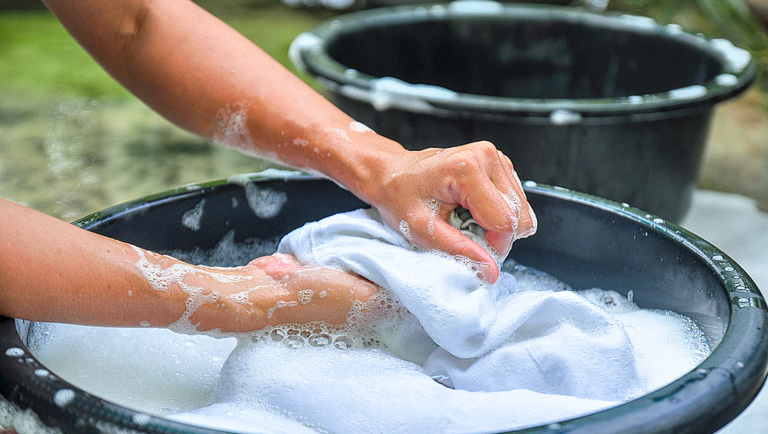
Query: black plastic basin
[
  {"x": 613, "y": 105},
  {"x": 583, "y": 240}
]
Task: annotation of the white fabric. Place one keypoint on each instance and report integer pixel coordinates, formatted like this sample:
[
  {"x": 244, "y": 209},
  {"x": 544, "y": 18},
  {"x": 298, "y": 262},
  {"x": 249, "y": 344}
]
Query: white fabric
[
  {"x": 556, "y": 341},
  {"x": 515, "y": 358},
  {"x": 364, "y": 391}
]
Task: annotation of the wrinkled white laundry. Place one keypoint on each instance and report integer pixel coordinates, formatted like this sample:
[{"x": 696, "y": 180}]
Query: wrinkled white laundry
[
  {"x": 470, "y": 357},
  {"x": 490, "y": 337}
]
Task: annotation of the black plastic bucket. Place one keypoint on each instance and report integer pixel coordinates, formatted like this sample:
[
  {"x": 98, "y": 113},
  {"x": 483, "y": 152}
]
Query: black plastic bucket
[
  {"x": 613, "y": 105},
  {"x": 583, "y": 240}
]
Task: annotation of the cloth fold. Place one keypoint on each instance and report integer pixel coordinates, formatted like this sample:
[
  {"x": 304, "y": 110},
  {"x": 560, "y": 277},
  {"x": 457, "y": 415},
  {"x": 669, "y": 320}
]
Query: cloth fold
[
  {"x": 490, "y": 337},
  {"x": 512, "y": 357}
]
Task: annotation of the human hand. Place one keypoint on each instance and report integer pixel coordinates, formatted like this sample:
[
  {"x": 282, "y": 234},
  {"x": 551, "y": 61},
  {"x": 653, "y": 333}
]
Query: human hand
[
  {"x": 417, "y": 190},
  {"x": 274, "y": 290}
]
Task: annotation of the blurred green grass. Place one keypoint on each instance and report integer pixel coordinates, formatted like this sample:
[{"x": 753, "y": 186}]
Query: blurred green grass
[
  {"x": 73, "y": 141},
  {"x": 39, "y": 60}
]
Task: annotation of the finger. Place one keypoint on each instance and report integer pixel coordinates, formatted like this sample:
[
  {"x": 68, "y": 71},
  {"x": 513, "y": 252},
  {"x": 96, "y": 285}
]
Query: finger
[
  {"x": 492, "y": 210},
  {"x": 450, "y": 240},
  {"x": 503, "y": 210},
  {"x": 527, "y": 223}
]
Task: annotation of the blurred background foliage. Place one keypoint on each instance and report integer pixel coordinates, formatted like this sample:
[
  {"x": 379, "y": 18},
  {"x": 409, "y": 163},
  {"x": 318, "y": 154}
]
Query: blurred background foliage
[{"x": 73, "y": 141}]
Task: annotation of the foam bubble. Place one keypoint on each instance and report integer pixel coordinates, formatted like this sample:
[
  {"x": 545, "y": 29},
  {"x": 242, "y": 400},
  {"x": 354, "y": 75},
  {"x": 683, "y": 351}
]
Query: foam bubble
[
  {"x": 14, "y": 352},
  {"x": 726, "y": 80},
  {"x": 389, "y": 92},
  {"x": 434, "y": 207},
  {"x": 23, "y": 421},
  {"x": 475, "y": 7},
  {"x": 305, "y": 295},
  {"x": 265, "y": 202},
  {"x": 302, "y": 43},
  {"x": 232, "y": 128},
  {"x": 564, "y": 117},
  {"x": 228, "y": 253},
  {"x": 191, "y": 219},
  {"x": 405, "y": 229},
  {"x": 688, "y": 92},
  {"x": 163, "y": 278},
  {"x": 639, "y": 21},
  {"x": 141, "y": 419},
  {"x": 359, "y": 127},
  {"x": 63, "y": 397},
  {"x": 338, "y": 133},
  {"x": 737, "y": 58},
  {"x": 279, "y": 305},
  {"x": 674, "y": 29}
]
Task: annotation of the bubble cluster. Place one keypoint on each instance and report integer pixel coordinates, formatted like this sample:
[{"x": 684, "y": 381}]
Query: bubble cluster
[
  {"x": 280, "y": 304},
  {"x": 264, "y": 202},
  {"x": 359, "y": 127},
  {"x": 434, "y": 207},
  {"x": 178, "y": 276},
  {"x": 232, "y": 128},
  {"x": 305, "y": 295},
  {"x": 227, "y": 252},
  {"x": 405, "y": 230},
  {"x": 338, "y": 133},
  {"x": 191, "y": 219},
  {"x": 63, "y": 397},
  {"x": 14, "y": 352},
  {"x": 367, "y": 325}
]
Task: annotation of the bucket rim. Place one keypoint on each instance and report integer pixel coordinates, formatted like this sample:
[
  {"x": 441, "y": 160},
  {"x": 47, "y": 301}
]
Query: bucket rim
[
  {"x": 309, "y": 53},
  {"x": 724, "y": 383}
]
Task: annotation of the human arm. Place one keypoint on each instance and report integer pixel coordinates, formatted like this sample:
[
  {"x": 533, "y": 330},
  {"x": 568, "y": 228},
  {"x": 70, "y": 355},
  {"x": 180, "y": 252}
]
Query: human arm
[
  {"x": 207, "y": 78},
  {"x": 54, "y": 271}
]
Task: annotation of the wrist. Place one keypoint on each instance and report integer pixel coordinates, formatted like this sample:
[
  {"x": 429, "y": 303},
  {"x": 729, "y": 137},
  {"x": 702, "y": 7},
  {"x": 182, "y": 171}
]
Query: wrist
[{"x": 362, "y": 163}]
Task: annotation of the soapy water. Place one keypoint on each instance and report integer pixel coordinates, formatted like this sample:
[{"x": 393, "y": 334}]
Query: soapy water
[{"x": 164, "y": 373}]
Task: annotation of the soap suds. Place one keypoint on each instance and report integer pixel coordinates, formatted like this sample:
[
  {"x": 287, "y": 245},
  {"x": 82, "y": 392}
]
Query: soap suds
[
  {"x": 191, "y": 219},
  {"x": 688, "y": 92},
  {"x": 434, "y": 207},
  {"x": 302, "y": 43},
  {"x": 405, "y": 229},
  {"x": 338, "y": 133},
  {"x": 265, "y": 202},
  {"x": 63, "y": 397},
  {"x": 232, "y": 128},
  {"x": 359, "y": 127}
]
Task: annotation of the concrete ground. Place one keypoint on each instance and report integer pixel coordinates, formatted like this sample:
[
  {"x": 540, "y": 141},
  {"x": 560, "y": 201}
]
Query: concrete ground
[{"x": 733, "y": 223}]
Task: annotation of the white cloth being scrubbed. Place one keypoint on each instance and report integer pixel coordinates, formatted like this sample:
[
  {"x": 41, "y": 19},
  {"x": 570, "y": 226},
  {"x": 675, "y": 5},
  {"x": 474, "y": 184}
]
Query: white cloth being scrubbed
[
  {"x": 490, "y": 337},
  {"x": 468, "y": 356}
]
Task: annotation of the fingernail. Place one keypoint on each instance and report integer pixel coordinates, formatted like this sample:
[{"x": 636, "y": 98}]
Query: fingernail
[{"x": 487, "y": 272}]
